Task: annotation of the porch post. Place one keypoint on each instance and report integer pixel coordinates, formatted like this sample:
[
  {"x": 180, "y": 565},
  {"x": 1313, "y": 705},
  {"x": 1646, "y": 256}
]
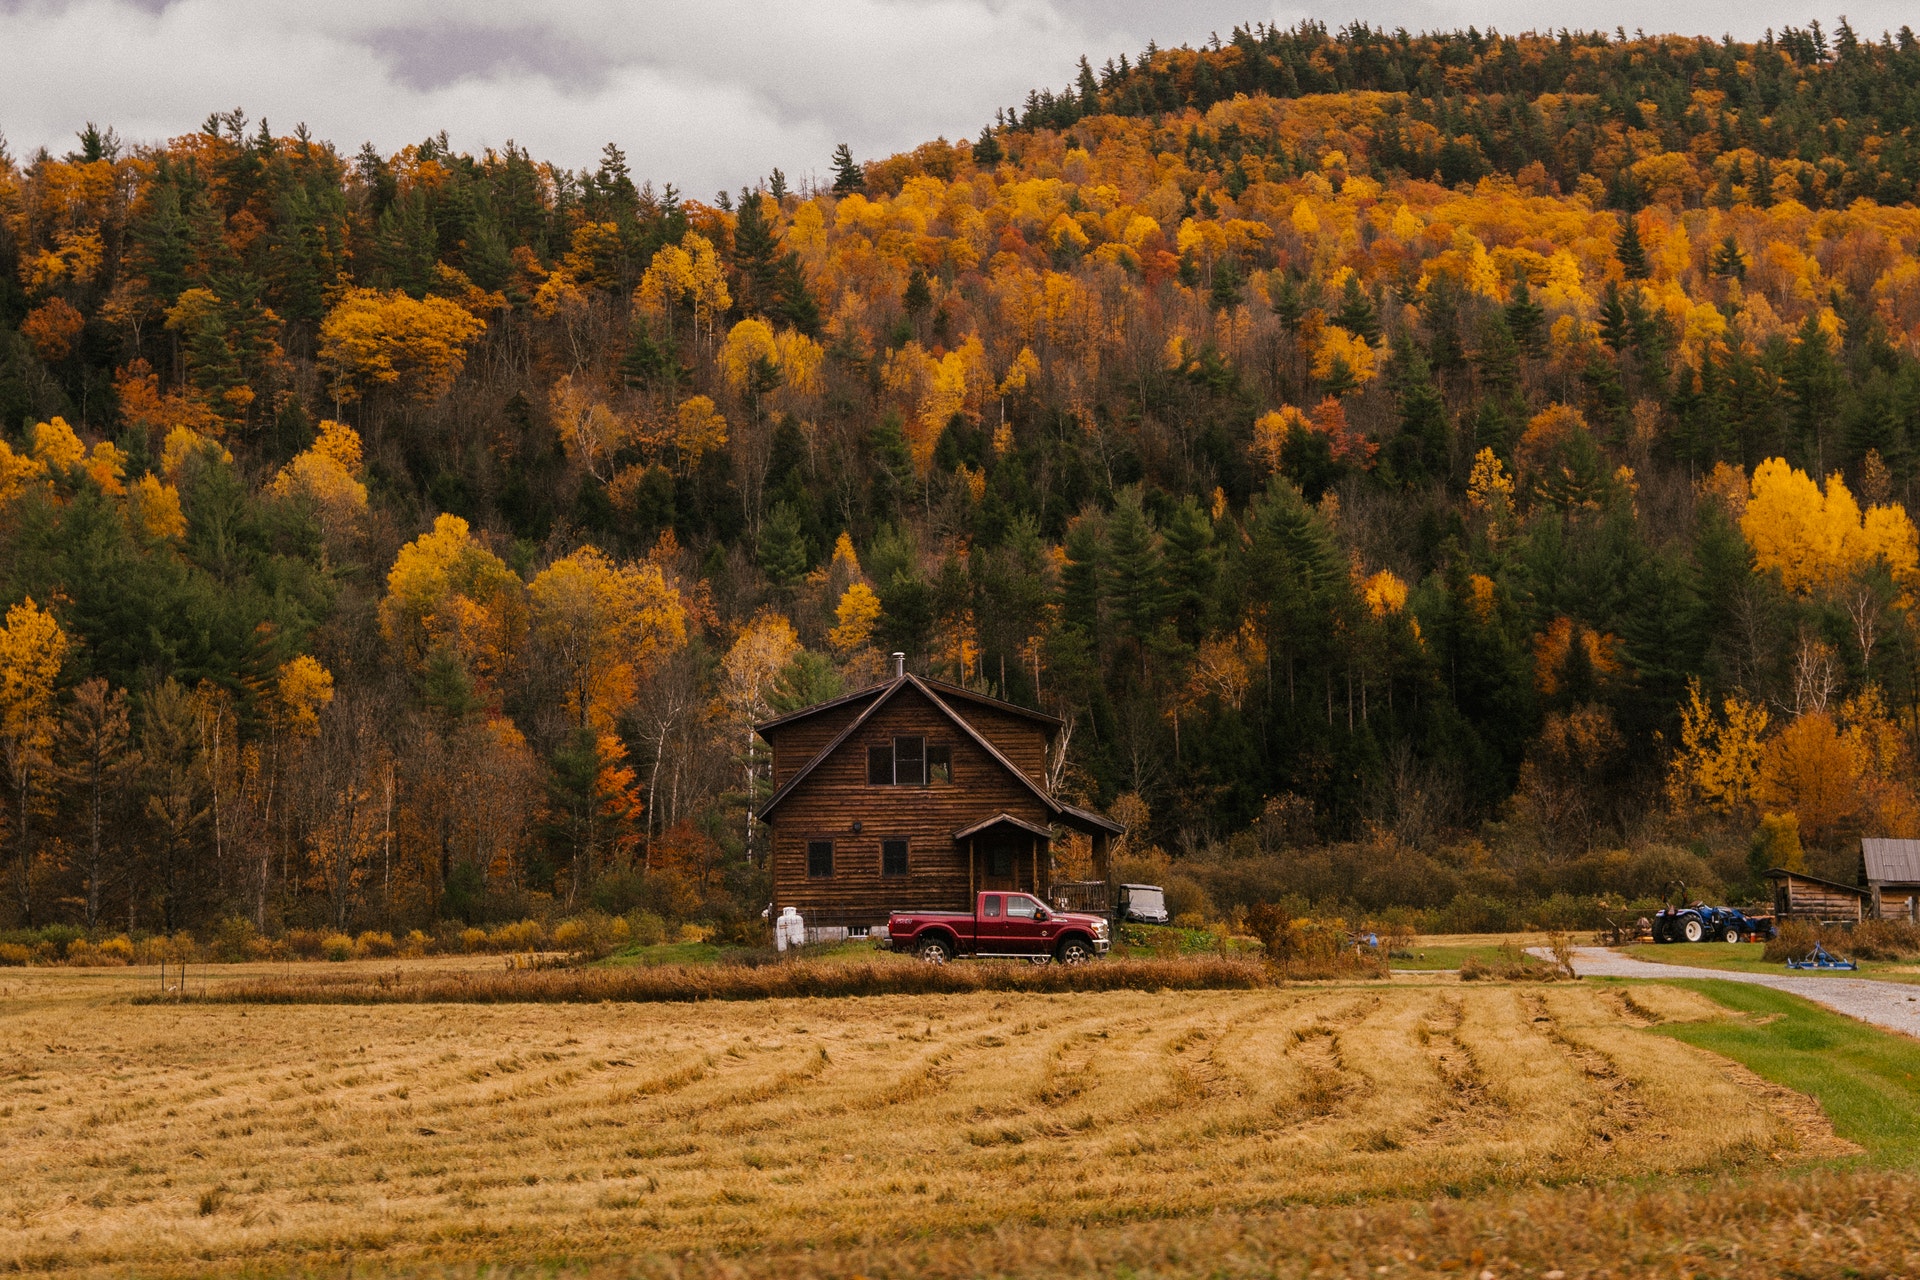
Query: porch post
[
  {"x": 1033, "y": 854},
  {"x": 973, "y": 890}
]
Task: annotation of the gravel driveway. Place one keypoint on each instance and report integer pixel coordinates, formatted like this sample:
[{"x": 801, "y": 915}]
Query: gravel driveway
[{"x": 1893, "y": 1005}]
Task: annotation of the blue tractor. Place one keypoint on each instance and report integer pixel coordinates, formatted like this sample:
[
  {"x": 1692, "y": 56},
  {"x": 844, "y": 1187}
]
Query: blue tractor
[{"x": 1699, "y": 922}]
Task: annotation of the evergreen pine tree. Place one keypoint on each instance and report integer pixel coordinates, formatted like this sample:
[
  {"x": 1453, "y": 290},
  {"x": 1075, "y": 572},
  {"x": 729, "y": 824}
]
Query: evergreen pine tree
[
  {"x": 1727, "y": 261},
  {"x": 847, "y": 175},
  {"x": 1526, "y": 319},
  {"x": 783, "y": 546},
  {"x": 1632, "y": 256},
  {"x": 1357, "y": 314},
  {"x": 1135, "y": 585}
]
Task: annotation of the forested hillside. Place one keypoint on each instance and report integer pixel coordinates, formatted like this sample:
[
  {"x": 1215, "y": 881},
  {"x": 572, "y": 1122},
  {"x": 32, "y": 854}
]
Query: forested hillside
[{"x": 1456, "y": 472}]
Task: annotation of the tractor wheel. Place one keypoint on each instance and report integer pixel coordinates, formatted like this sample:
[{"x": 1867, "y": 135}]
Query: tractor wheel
[
  {"x": 1692, "y": 930},
  {"x": 934, "y": 951},
  {"x": 1732, "y": 934},
  {"x": 1661, "y": 933}
]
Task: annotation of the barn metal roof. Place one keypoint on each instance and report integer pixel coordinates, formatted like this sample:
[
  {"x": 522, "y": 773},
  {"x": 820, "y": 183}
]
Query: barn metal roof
[{"x": 1891, "y": 861}]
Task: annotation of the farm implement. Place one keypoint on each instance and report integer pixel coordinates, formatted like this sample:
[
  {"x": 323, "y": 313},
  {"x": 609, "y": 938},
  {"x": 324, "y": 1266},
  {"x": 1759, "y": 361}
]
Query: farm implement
[{"x": 1821, "y": 958}]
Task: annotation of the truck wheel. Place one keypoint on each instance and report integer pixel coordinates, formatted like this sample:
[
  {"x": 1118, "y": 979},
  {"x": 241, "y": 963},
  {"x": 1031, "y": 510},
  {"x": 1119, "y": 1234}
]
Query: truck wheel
[
  {"x": 933, "y": 951},
  {"x": 1039, "y": 960},
  {"x": 1692, "y": 930},
  {"x": 1074, "y": 951},
  {"x": 1733, "y": 934}
]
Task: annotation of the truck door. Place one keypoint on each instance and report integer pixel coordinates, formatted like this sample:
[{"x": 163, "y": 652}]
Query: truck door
[
  {"x": 990, "y": 926},
  {"x": 1025, "y": 935}
]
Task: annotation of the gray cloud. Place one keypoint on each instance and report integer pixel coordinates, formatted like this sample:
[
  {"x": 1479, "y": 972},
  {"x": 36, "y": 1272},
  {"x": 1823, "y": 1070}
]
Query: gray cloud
[{"x": 704, "y": 96}]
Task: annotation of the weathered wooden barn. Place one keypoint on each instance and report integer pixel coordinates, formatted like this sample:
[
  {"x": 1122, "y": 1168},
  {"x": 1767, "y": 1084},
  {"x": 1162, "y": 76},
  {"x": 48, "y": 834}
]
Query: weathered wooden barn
[
  {"x": 914, "y": 794},
  {"x": 1890, "y": 871},
  {"x": 1799, "y": 896}
]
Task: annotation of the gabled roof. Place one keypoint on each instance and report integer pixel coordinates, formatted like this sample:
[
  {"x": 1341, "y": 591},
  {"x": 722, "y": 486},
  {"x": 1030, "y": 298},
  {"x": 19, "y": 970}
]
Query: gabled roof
[
  {"x": 1002, "y": 820},
  {"x": 845, "y": 699},
  {"x": 1890, "y": 861},
  {"x": 932, "y": 692},
  {"x": 1781, "y": 873},
  {"x": 964, "y": 694},
  {"x": 946, "y": 690}
]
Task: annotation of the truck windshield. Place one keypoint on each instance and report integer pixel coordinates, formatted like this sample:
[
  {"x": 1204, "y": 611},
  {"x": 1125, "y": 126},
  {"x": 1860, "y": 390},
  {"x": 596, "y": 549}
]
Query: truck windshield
[
  {"x": 1150, "y": 901},
  {"x": 1021, "y": 907}
]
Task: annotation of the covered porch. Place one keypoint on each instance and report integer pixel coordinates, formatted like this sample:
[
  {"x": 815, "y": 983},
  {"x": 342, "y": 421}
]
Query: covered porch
[{"x": 1011, "y": 854}]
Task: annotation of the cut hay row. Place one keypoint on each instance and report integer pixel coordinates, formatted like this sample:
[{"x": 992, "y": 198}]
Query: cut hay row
[
  {"x": 679, "y": 984},
  {"x": 201, "y": 1138}
]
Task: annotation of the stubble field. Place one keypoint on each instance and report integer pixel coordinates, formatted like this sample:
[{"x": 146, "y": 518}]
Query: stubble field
[{"x": 188, "y": 1139}]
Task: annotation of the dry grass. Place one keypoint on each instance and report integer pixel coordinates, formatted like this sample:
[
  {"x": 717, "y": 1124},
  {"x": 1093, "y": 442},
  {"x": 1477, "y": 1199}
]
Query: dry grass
[
  {"x": 667, "y": 983},
  {"x": 189, "y": 1138}
]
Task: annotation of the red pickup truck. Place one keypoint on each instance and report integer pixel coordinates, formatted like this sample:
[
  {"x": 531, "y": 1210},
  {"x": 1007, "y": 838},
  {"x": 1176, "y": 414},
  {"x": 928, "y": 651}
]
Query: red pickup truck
[{"x": 1001, "y": 924}]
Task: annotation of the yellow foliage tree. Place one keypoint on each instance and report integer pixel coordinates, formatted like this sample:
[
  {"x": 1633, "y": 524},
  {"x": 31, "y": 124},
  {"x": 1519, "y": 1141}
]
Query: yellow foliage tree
[
  {"x": 1719, "y": 758},
  {"x": 698, "y": 429},
  {"x": 1815, "y": 772},
  {"x": 32, "y": 651},
  {"x": 446, "y": 592},
  {"x": 590, "y": 432},
  {"x": 687, "y": 274},
  {"x": 1813, "y": 540},
  {"x": 155, "y": 508},
  {"x": 327, "y": 474},
  {"x": 304, "y": 689},
  {"x": 854, "y": 618},
  {"x": 377, "y": 339},
  {"x": 603, "y": 624}
]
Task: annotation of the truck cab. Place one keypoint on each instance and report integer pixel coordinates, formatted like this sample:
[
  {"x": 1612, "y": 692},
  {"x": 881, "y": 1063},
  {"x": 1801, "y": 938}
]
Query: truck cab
[{"x": 1002, "y": 924}]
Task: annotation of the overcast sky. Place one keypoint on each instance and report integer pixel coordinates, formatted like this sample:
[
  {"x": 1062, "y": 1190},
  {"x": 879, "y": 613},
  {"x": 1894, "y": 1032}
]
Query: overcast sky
[{"x": 704, "y": 94}]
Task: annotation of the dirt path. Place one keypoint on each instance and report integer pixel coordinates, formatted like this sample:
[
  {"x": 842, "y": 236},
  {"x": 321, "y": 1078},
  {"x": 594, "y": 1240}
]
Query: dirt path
[{"x": 1893, "y": 1005}]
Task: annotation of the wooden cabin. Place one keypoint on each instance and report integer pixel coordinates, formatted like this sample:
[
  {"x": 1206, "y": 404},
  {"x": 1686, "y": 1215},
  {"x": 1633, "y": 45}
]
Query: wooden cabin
[
  {"x": 913, "y": 794},
  {"x": 1799, "y": 896},
  {"x": 1890, "y": 871}
]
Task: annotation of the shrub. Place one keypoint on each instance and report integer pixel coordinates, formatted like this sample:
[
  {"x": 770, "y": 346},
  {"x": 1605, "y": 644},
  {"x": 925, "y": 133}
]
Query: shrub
[
  {"x": 371, "y": 944},
  {"x": 337, "y": 947},
  {"x": 648, "y": 929},
  {"x": 416, "y": 944},
  {"x": 14, "y": 953},
  {"x": 1868, "y": 940},
  {"x": 306, "y": 943},
  {"x": 473, "y": 941},
  {"x": 120, "y": 948},
  {"x": 527, "y": 935},
  {"x": 233, "y": 939}
]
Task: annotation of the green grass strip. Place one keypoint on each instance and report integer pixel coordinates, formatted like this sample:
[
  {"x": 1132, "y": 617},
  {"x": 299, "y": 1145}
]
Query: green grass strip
[{"x": 1867, "y": 1080}]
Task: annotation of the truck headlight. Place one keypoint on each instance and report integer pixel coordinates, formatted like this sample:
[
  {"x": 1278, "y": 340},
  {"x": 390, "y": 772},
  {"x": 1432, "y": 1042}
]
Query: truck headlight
[{"x": 1099, "y": 928}]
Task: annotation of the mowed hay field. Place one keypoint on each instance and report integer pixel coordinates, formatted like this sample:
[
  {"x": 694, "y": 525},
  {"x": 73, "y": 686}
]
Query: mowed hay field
[{"x": 185, "y": 1139}]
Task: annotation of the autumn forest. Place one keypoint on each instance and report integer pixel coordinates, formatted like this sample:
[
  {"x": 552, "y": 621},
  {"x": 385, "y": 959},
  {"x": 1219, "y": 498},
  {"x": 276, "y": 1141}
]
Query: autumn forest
[{"x": 1461, "y": 476}]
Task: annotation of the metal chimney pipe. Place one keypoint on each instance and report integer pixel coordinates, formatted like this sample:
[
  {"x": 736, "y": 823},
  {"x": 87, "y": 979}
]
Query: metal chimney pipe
[{"x": 899, "y": 665}]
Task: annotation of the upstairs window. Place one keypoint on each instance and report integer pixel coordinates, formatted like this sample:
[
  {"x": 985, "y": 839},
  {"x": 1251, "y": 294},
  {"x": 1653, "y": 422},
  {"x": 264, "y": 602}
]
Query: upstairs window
[
  {"x": 910, "y": 762},
  {"x": 893, "y": 857},
  {"x": 819, "y": 859}
]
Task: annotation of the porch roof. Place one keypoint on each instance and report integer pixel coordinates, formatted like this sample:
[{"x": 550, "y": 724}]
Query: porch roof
[{"x": 1002, "y": 819}]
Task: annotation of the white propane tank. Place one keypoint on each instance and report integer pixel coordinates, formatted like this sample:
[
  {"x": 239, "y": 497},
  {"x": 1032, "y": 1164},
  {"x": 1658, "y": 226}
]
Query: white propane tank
[{"x": 789, "y": 929}]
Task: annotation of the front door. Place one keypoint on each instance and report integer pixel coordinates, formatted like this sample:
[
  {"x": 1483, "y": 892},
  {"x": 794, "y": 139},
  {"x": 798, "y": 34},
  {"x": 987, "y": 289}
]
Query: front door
[{"x": 1004, "y": 857}]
